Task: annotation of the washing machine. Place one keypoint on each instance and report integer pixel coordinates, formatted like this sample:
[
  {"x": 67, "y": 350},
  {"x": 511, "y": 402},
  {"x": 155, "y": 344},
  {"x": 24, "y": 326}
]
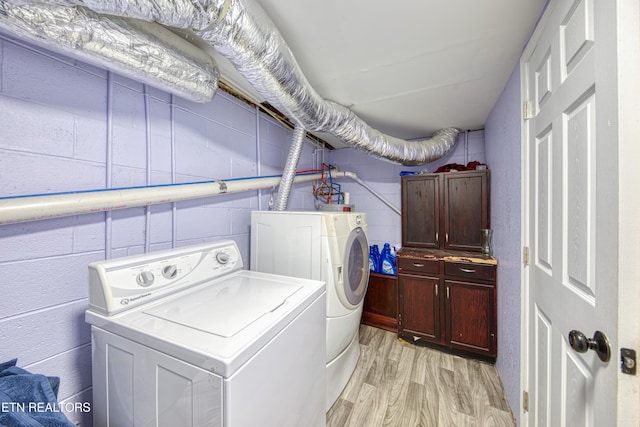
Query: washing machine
[
  {"x": 329, "y": 246},
  {"x": 186, "y": 337}
]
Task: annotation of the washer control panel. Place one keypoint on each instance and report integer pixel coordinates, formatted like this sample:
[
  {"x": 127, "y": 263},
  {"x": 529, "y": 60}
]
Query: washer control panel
[{"x": 120, "y": 284}]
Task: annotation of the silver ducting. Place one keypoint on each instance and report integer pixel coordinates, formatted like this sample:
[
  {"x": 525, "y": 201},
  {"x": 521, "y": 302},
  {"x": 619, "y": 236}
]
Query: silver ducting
[
  {"x": 242, "y": 32},
  {"x": 144, "y": 51},
  {"x": 289, "y": 173},
  {"x": 248, "y": 38}
]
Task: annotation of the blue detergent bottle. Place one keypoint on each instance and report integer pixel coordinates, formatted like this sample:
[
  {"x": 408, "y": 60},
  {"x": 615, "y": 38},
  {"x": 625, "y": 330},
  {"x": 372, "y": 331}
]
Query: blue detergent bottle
[
  {"x": 387, "y": 262},
  {"x": 393, "y": 254},
  {"x": 376, "y": 252},
  {"x": 374, "y": 259}
]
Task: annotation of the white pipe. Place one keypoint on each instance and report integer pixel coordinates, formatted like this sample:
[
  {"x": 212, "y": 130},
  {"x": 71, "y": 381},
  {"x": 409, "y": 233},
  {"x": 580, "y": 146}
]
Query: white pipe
[
  {"x": 371, "y": 190},
  {"x": 258, "y": 155},
  {"x": 174, "y": 208},
  {"x": 466, "y": 147},
  {"x": 34, "y": 208},
  {"x": 108, "y": 227},
  {"x": 147, "y": 209},
  {"x": 25, "y": 209}
]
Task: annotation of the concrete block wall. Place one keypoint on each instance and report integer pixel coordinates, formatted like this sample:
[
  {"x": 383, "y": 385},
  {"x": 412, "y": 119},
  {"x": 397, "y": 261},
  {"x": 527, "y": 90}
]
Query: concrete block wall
[
  {"x": 385, "y": 225},
  {"x": 67, "y": 126}
]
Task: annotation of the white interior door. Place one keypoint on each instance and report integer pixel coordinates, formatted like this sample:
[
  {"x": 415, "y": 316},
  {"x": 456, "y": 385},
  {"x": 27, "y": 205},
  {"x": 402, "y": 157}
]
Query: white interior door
[{"x": 570, "y": 85}]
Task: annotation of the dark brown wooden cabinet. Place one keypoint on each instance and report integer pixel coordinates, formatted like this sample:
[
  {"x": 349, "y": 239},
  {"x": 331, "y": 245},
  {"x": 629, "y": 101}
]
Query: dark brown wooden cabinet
[
  {"x": 380, "y": 307},
  {"x": 470, "y": 306},
  {"x": 449, "y": 300},
  {"x": 445, "y": 210},
  {"x": 421, "y": 211},
  {"x": 446, "y": 288},
  {"x": 420, "y": 308}
]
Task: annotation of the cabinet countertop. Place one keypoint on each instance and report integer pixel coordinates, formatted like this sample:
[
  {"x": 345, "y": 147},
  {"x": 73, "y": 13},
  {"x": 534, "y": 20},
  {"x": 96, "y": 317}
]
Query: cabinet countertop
[{"x": 455, "y": 256}]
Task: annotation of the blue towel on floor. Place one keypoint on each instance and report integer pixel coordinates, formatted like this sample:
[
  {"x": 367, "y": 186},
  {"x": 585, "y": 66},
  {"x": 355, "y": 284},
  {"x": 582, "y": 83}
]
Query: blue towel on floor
[{"x": 29, "y": 400}]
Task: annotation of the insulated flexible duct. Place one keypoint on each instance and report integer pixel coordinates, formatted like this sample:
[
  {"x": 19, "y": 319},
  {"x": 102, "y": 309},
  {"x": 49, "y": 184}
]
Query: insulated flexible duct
[
  {"x": 248, "y": 38},
  {"x": 144, "y": 51},
  {"x": 243, "y": 33},
  {"x": 289, "y": 173}
]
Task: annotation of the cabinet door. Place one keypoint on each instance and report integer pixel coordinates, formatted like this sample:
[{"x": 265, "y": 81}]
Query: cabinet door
[
  {"x": 466, "y": 209},
  {"x": 381, "y": 302},
  {"x": 419, "y": 308},
  {"x": 420, "y": 211},
  {"x": 471, "y": 317}
]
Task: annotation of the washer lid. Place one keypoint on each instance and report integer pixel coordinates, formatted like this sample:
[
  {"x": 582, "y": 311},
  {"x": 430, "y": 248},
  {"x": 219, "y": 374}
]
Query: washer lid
[{"x": 226, "y": 309}]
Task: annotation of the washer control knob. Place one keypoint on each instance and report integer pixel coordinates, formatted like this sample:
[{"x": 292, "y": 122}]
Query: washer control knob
[
  {"x": 170, "y": 271},
  {"x": 145, "y": 279},
  {"x": 222, "y": 257}
]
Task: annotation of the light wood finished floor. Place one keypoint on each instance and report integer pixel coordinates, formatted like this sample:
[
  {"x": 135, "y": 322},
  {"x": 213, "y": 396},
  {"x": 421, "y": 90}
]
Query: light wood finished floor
[{"x": 399, "y": 384}]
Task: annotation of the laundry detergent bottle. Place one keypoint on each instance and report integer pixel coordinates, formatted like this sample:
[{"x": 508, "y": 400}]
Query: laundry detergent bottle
[
  {"x": 387, "y": 261},
  {"x": 374, "y": 259}
]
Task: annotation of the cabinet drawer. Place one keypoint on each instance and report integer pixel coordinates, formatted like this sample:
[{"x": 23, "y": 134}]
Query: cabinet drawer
[
  {"x": 417, "y": 265},
  {"x": 470, "y": 271}
]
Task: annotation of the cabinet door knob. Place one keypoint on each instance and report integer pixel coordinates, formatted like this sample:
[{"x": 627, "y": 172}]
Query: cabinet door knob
[{"x": 436, "y": 290}]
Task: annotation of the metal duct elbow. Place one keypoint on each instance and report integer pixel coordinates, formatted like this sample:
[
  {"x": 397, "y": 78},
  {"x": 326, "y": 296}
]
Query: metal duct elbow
[{"x": 140, "y": 50}]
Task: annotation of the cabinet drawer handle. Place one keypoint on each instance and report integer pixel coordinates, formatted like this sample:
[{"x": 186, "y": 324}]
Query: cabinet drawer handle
[
  {"x": 467, "y": 270},
  {"x": 415, "y": 264}
]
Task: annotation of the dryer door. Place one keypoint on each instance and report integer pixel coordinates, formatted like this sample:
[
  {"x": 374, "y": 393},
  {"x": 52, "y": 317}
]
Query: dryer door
[{"x": 356, "y": 267}]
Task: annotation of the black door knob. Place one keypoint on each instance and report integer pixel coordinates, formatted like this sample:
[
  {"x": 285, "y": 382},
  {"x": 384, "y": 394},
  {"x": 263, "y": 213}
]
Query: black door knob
[{"x": 580, "y": 343}]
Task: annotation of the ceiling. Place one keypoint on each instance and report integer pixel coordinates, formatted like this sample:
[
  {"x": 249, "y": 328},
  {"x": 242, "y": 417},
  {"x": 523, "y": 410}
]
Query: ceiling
[{"x": 408, "y": 68}]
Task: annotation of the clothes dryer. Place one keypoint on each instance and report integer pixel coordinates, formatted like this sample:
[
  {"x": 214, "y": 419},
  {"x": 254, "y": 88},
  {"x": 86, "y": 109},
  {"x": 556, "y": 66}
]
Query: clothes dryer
[{"x": 329, "y": 246}]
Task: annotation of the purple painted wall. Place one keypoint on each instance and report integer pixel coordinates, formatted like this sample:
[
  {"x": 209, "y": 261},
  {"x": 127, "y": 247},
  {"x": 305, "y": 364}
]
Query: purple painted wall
[
  {"x": 502, "y": 144},
  {"x": 68, "y": 126}
]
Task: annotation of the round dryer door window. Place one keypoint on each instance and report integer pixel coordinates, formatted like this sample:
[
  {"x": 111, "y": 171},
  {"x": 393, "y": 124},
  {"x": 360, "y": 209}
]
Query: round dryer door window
[{"x": 356, "y": 262}]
